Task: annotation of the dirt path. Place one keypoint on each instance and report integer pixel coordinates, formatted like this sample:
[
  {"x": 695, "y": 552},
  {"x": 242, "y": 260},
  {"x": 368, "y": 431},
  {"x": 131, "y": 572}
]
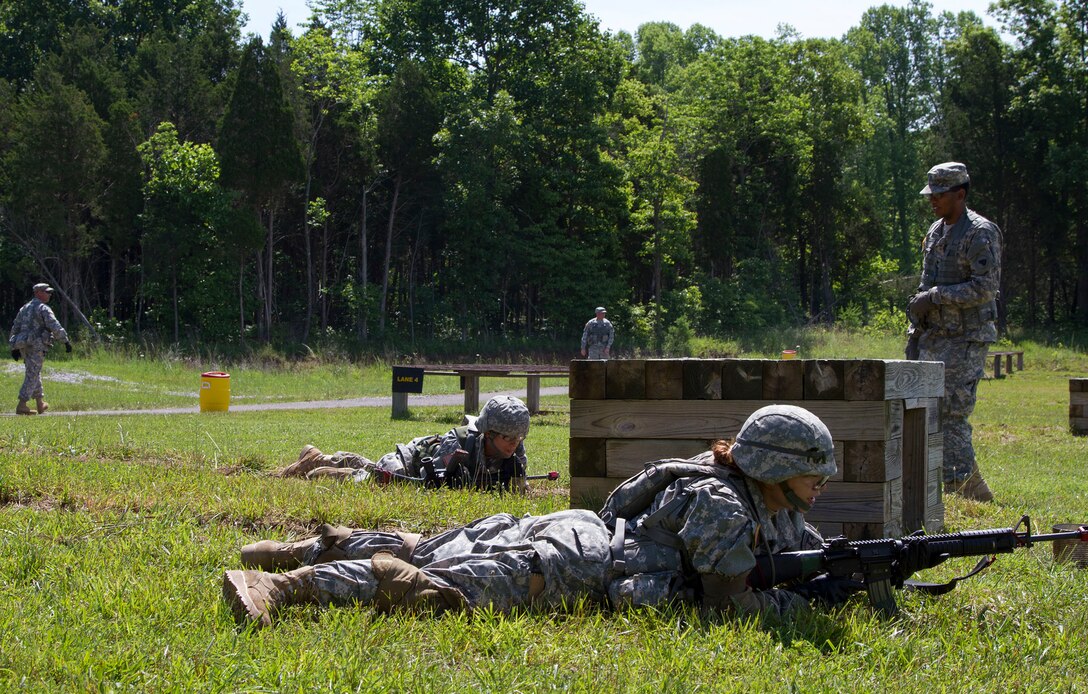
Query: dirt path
[{"x": 379, "y": 401}]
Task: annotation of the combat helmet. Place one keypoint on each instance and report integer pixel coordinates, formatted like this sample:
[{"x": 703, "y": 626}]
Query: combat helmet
[
  {"x": 505, "y": 415},
  {"x": 779, "y": 442}
]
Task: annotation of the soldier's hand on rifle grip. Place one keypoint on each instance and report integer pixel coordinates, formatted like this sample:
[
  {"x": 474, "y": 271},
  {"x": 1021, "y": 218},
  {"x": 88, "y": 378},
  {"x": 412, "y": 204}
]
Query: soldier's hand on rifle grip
[{"x": 829, "y": 591}]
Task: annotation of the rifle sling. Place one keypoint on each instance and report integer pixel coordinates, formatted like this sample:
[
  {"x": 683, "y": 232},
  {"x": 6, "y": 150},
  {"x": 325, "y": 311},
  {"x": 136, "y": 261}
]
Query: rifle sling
[{"x": 942, "y": 588}]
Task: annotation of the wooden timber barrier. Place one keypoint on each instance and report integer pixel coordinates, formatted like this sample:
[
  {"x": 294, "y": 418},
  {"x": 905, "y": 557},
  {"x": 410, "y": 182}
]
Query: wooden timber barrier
[
  {"x": 882, "y": 414},
  {"x": 1078, "y": 406}
]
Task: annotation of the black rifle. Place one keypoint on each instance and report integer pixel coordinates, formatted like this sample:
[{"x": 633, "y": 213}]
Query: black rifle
[
  {"x": 433, "y": 477},
  {"x": 887, "y": 563}
]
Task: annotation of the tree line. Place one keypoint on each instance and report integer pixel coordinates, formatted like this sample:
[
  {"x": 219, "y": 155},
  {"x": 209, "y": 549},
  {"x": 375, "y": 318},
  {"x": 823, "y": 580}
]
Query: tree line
[{"x": 443, "y": 171}]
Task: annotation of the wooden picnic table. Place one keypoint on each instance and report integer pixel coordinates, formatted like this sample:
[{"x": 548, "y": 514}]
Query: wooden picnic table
[{"x": 470, "y": 375}]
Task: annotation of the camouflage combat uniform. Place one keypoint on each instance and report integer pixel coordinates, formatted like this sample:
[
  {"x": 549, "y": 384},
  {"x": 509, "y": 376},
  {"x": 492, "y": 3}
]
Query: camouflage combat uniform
[
  {"x": 597, "y": 336},
  {"x": 492, "y": 561},
  {"x": 459, "y": 458},
  {"x": 405, "y": 461},
  {"x": 33, "y": 332},
  {"x": 964, "y": 264},
  {"x": 692, "y": 535}
]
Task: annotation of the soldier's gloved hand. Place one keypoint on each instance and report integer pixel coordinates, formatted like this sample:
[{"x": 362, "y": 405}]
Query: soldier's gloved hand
[
  {"x": 921, "y": 304},
  {"x": 68, "y": 347},
  {"x": 16, "y": 354},
  {"x": 912, "y": 352},
  {"x": 828, "y": 591}
]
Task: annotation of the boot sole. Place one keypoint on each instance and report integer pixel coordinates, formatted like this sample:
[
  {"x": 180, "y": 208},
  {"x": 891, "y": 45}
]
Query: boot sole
[{"x": 236, "y": 594}]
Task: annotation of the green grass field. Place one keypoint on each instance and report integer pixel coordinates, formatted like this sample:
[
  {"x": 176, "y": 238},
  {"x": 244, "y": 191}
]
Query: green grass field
[{"x": 115, "y": 530}]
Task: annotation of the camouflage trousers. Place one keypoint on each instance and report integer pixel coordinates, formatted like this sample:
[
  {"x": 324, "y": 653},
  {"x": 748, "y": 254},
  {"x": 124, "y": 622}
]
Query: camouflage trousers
[
  {"x": 33, "y": 359},
  {"x": 499, "y": 561},
  {"x": 964, "y": 365},
  {"x": 595, "y": 352}
]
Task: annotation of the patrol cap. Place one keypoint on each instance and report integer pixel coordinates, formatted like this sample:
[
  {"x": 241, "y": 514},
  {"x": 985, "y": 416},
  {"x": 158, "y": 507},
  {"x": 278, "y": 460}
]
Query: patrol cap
[
  {"x": 42, "y": 287},
  {"x": 946, "y": 176},
  {"x": 600, "y": 309},
  {"x": 778, "y": 442},
  {"x": 505, "y": 415}
]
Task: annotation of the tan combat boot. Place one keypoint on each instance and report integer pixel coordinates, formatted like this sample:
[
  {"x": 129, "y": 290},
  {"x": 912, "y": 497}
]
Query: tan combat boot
[
  {"x": 22, "y": 408},
  {"x": 42, "y": 406},
  {"x": 974, "y": 488},
  {"x": 269, "y": 555},
  {"x": 308, "y": 459},
  {"x": 255, "y": 596}
]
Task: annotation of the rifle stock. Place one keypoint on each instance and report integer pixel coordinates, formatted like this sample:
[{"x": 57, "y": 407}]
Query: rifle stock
[{"x": 887, "y": 563}]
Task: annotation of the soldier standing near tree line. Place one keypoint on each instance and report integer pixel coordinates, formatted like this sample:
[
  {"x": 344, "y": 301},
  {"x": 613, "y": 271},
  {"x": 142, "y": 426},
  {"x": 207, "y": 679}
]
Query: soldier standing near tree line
[
  {"x": 32, "y": 334},
  {"x": 952, "y": 315},
  {"x": 597, "y": 336}
]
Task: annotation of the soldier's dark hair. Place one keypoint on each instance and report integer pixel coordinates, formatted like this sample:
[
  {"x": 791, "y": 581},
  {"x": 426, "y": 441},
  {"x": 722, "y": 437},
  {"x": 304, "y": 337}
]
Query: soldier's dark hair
[{"x": 723, "y": 452}]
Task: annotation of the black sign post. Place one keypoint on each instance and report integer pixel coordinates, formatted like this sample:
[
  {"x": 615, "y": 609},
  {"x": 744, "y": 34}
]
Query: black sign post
[{"x": 406, "y": 379}]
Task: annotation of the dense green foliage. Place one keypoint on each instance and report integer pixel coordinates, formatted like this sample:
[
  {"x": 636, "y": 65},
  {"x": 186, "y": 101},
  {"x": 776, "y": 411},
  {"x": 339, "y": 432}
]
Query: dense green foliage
[
  {"x": 115, "y": 531},
  {"x": 420, "y": 173}
]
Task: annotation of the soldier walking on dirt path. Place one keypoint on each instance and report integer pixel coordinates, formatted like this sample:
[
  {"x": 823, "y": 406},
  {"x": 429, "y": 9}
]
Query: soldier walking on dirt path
[{"x": 32, "y": 334}]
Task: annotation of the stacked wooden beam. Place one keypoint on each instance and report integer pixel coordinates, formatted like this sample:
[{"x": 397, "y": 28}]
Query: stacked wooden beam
[
  {"x": 1078, "y": 406},
  {"x": 883, "y": 415}
]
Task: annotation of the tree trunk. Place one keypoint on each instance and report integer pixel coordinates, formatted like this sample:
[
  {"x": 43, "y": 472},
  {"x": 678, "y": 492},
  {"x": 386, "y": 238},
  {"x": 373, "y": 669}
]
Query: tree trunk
[
  {"x": 309, "y": 259},
  {"x": 364, "y": 277},
  {"x": 269, "y": 278},
  {"x": 388, "y": 252}
]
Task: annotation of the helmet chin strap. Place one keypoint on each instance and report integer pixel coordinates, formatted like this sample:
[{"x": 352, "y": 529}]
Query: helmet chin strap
[{"x": 798, "y": 504}]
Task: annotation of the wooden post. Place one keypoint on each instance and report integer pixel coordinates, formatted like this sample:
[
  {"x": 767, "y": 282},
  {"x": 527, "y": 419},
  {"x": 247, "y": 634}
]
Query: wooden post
[
  {"x": 997, "y": 366},
  {"x": 472, "y": 393},
  {"x": 1019, "y": 361},
  {"x": 532, "y": 393},
  {"x": 400, "y": 405}
]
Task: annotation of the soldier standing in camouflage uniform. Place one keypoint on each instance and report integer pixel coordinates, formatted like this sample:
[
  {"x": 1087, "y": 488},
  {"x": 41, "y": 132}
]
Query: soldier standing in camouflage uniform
[
  {"x": 32, "y": 334},
  {"x": 597, "y": 336},
  {"x": 952, "y": 315},
  {"x": 702, "y": 545},
  {"x": 486, "y": 453}
]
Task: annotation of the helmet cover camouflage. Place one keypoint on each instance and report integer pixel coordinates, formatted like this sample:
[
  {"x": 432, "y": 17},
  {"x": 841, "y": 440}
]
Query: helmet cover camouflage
[
  {"x": 778, "y": 442},
  {"x": 944, "y": 177},
  {"x": 505, "y": 415}
]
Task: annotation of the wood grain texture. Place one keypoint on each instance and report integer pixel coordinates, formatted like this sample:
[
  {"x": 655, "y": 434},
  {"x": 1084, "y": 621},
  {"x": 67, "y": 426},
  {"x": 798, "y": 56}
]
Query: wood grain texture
[
  {"x": 825, "y": 379},
  {"x": 695, "y": 419},
  {"x": 1078, "y": 385},
  {"x": 625, "y": 379},
  {"x": 857, "y": 502},
  {"x": 872, "y": 461},
  {"x": 665, "y": 379},
  {"x": 742, "y": 379},
  {"x": 703, "y": 379},
  {"x": 626, "y": 457},
  {"x": 783, "y": 380},
  {"x": 588, "y": 457},
  {"x": 587, "y": 379}
]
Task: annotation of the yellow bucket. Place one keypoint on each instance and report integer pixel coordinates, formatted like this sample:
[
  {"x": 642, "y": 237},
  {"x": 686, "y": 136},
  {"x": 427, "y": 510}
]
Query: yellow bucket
[
  {"x": 214, "y": 391},
  {"x": 789, "y": 354}
]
